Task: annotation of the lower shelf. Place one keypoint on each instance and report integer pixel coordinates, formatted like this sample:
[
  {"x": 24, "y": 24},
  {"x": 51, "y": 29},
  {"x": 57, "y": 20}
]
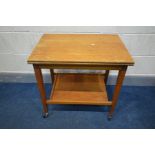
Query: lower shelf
[{"x": 87, "y": 89}]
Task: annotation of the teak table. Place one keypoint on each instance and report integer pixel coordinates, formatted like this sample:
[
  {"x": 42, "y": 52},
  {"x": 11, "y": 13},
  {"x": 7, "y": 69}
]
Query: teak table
[{"x": 80, "y": 51}]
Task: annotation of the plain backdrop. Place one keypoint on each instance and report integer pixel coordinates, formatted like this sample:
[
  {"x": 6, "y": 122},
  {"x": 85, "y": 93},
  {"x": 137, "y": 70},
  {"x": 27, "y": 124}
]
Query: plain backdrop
[{"x": 17, "y": 42}]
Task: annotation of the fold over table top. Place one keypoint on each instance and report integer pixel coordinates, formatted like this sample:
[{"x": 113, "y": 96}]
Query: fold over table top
[{"x": 99, "y": 49}]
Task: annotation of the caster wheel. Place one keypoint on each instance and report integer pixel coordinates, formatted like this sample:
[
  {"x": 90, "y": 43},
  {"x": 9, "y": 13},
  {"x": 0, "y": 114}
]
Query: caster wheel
[
  {"x": 45, "y": 115},
  {"x": 109, "y": 117}
]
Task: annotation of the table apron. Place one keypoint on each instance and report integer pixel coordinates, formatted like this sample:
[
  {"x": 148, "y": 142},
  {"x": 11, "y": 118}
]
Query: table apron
[{"x": 88, "y": 67}]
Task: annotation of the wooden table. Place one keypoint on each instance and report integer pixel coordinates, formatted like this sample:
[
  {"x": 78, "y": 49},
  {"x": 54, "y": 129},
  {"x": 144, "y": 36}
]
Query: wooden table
[{"x": 80, "y": 51}]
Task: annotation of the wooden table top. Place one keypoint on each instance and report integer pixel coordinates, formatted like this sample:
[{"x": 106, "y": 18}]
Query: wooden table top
[{"x": 103, "y": 49}]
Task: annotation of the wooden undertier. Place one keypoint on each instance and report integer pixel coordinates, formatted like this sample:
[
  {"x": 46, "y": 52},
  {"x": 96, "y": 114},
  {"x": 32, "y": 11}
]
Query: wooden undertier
[{"x": 86, "y": 89}]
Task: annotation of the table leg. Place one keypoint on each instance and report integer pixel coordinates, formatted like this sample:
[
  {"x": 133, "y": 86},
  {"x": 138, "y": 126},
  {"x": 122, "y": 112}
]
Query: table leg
[
  {"x": 39, "y": 79},
  {"x": 52, "y": 75},
  {"x": 106, "y": 76},
  {"x": 117, "y": 89}
]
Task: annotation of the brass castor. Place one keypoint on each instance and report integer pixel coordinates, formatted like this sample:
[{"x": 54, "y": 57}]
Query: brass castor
[
  {"x": 109, "y": 117},
  {"x": 45, "y": 114}
]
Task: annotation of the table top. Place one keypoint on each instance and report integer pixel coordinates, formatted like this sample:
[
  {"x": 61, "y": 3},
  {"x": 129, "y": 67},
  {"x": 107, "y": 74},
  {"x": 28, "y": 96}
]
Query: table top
[{"x": 103, "y": 49}]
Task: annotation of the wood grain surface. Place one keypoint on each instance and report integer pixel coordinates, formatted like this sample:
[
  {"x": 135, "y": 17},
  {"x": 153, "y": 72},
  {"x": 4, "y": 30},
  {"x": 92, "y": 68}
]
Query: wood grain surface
[{"x": 104, "y": 49}]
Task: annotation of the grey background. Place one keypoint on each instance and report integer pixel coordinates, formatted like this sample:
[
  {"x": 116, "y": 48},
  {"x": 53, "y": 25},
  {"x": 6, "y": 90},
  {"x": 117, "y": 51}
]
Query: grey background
[{"x": 16, "y": 43}]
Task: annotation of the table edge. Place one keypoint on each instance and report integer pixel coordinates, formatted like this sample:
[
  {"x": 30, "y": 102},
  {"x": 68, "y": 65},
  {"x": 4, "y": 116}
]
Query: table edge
[{"x": 80, "y": 63}]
